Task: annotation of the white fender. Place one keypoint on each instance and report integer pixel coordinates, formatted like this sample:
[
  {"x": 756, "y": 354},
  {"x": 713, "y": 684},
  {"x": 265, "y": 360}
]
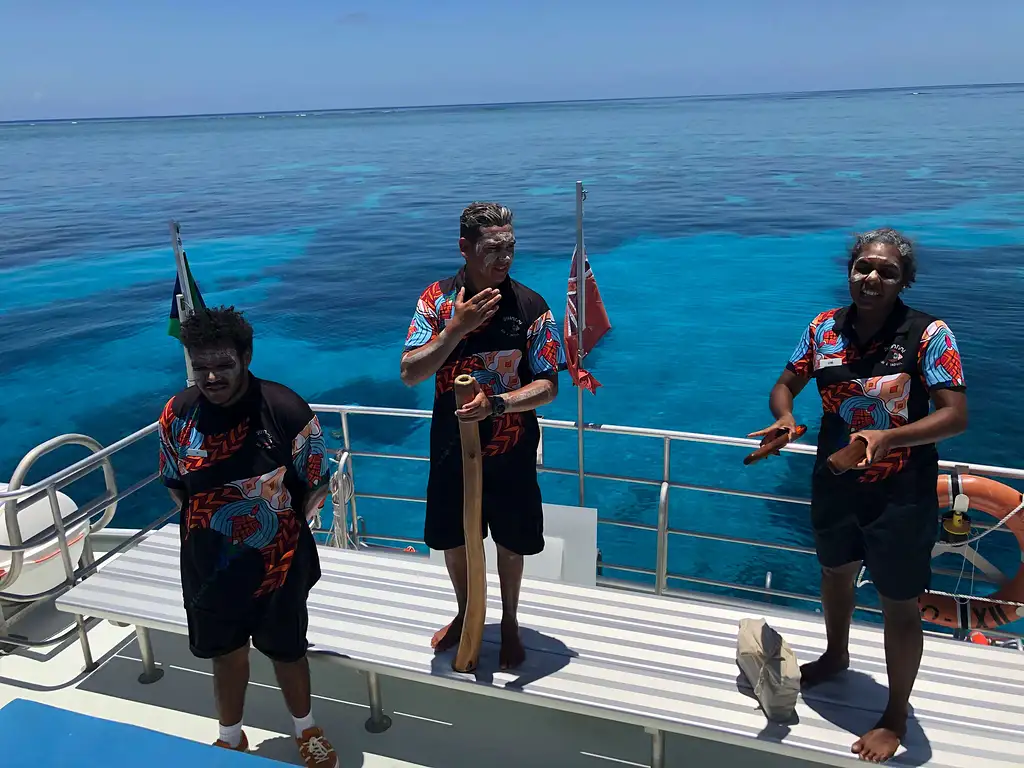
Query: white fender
[{"x": 42, "y": 567}]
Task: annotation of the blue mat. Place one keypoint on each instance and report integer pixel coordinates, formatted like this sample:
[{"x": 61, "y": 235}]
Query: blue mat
[{"x": 35, "y": 735}]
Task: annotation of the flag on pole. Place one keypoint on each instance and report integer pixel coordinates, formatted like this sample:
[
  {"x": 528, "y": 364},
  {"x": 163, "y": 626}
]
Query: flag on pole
[
  {"x": 595, "y": 317},
  {"x": 174, "y": 326}
]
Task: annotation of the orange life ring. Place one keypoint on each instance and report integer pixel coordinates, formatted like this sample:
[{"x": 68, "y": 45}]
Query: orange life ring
[{"x": 996, "y": 500}]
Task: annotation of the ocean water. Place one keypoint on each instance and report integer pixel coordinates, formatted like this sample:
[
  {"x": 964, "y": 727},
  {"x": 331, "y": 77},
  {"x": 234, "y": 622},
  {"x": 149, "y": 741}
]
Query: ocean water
[{"x": 717, "y": 227}]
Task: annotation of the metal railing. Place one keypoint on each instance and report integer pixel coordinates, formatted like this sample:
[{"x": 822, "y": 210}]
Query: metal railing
[
  {"x": 16, "y": 499},
  {"x": 661, "y": 576},
  {"x": 346, "y": 530}
]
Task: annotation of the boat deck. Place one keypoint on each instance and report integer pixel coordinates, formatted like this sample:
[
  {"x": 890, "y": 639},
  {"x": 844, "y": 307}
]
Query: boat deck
[
  {"x": 966, "y": 703},
  {"x": 433, "y": 727}
]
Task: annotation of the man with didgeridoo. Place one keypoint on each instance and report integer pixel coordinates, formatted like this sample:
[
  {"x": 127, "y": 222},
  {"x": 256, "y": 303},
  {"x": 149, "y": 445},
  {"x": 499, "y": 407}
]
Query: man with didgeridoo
[
  {"x": 484, "y": 323},
  {"x": 877, "y": 363},
  {"x": 245, "y": 460}
]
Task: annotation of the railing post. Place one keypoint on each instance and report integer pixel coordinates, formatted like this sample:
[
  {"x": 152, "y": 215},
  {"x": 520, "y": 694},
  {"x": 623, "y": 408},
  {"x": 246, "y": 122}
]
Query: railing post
[
  {"x": 14, "y": 537},
  {"x": 69, "y": 570},
  {"x": 62, "y": 536},
  {"x": 580, "y": 256},
  {"x": 88, "y": 555},
  {"x": 661, "y": 570},
  {"x": 340, "y": 531},
  {"x": 581, "y": 473},
  {"x": 352, "y": 534}
]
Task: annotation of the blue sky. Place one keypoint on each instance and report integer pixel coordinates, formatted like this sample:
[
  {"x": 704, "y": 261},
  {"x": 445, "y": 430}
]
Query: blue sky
[{"x": 72, "y": 58}]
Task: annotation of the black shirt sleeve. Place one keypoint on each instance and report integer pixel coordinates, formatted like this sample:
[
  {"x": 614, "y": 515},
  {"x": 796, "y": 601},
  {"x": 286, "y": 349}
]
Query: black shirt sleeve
[{"x": 300, "y": 427}]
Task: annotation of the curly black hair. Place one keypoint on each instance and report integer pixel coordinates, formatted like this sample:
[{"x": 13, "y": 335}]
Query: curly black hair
[
  {"x": 888, "y": 236},
  {"x": 217, "y": 327}
]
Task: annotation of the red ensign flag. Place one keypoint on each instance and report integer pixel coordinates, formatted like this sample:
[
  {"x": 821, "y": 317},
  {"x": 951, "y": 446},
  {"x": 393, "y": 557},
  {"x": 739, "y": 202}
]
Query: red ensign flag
[{"x": 597, "y": 324}]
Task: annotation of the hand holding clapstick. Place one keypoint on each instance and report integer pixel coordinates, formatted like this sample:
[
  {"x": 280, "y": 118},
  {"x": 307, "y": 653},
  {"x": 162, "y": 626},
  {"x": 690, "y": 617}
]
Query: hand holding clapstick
[
  {"x": 468, "y": 654},
  {"x": 775, "y": 441},
  {"x": 849, "y": 457}
]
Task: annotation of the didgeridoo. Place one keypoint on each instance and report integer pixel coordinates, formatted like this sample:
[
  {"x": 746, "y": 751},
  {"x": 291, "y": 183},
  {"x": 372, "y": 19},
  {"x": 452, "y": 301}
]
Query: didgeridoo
[
  {"x": 848, "y": 457},
  {"x": 773, "y": 442},
  {"x": 472, "y": 523}
]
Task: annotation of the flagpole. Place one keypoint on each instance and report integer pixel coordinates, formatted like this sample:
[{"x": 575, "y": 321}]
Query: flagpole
[
  {"x": 184, "y": 299},
  {"x": 581, "y": 324}
]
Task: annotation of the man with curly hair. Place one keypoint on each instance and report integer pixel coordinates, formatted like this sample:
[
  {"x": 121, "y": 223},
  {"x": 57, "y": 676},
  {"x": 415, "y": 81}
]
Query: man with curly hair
[
  {"x": 484, "y": 323},
  {"x": 246, "y": 461}
]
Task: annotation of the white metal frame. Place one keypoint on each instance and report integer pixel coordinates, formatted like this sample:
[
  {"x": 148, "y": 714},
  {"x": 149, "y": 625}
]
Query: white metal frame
[
  {"x": 345, "y": 531},
  {"x": 660, "y": 573}
]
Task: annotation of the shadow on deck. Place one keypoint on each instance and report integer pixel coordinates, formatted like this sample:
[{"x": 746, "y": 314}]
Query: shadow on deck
[{"x": 432, "y": 727}]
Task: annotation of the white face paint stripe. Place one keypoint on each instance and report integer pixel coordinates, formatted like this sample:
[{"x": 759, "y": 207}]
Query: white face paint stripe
[{"x": 210, "y": 366}]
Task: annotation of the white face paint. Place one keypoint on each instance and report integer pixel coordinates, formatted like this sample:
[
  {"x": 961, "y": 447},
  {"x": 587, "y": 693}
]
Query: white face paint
[
  {"x": 497, "y": 248},
  {"x": 497, "y": 261},
  {"x": 221, "y": 373},
  {"x": 876, "y": 277},
  {"x": 858, "y": 277}
]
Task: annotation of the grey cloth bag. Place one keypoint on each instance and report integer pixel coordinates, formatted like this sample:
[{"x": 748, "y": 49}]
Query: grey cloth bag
[{"x": 771, "y": 668}]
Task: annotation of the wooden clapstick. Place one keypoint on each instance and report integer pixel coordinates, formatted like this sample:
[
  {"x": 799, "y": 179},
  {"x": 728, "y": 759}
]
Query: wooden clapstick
[
  {"x": 468, "y": 654},
  {"x": 848, "y": 457},
  {"x": 774, "y": 442}
]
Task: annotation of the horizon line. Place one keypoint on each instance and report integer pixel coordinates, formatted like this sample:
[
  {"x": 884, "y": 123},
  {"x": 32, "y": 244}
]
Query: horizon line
[{"x": 541, "y": 102}]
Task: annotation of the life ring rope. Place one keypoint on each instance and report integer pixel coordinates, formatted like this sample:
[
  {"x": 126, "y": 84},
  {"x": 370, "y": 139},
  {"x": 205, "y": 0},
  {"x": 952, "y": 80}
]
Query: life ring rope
[
  {"x": 973, "y": 599},
  {"x": 862, "y": 581}
]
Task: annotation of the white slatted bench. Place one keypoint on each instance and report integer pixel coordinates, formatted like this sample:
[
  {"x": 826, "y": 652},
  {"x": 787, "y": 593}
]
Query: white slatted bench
[{"x": 665, "y": 664}]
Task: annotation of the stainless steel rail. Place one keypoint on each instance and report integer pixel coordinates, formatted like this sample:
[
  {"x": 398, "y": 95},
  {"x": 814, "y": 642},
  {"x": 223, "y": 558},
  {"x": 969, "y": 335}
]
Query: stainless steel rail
[
  {"x": 346, "y": 531},
  {"x": 660, "y": 575},
  {"x": 664, "y": 434},
  {"x": 17, "y": 498}
]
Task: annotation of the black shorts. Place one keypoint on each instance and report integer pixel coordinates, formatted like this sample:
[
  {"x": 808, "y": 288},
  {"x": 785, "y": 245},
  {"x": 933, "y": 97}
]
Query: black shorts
[
  {"x": 891, "y": 525},
  {"x": 276, "y": 623},
  {"x": 512, "y": 508}
]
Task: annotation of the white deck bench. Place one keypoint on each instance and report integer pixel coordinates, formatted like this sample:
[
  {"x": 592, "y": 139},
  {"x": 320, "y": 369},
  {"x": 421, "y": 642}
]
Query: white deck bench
[{"x": 664, "y": 664}]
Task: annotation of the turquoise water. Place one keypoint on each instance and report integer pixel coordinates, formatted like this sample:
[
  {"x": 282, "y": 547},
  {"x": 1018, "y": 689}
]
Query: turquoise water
[{"x": 716, "y": 228}]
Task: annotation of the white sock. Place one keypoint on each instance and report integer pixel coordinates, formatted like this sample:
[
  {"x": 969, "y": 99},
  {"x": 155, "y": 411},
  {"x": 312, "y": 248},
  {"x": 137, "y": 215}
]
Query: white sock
[
  {"x": 303, "y": 723},
  {"x": 231, "y": 734}
]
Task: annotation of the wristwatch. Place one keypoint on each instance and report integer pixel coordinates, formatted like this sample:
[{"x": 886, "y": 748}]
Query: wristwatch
[{"x": 497, "y": 405}]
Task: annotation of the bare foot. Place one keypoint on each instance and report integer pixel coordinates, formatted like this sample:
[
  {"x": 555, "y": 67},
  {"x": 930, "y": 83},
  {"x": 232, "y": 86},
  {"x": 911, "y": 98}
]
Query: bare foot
[
  {"x": 881, "y": 743},
  {"x": 828, "y": 666},
  {"x": 447, "y": 637},
  {"x": 512, "y": 653}
]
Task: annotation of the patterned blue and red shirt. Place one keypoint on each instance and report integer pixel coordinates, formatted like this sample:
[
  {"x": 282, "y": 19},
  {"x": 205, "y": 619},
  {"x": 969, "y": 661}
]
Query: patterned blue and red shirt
[
  {"x": 519, "y": 343},
  {"x": 882, "y": 384},
  {"x": 246, "y": 471}
]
